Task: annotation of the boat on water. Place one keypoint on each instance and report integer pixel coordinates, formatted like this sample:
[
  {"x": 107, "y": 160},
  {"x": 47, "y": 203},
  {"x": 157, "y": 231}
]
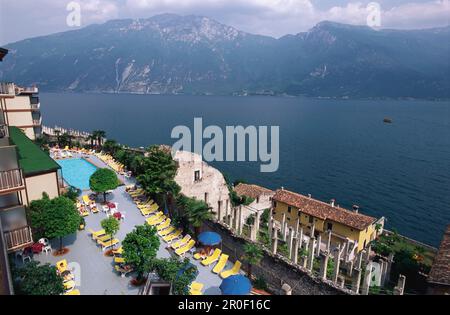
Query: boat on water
[{"x": 387, "y": 120}]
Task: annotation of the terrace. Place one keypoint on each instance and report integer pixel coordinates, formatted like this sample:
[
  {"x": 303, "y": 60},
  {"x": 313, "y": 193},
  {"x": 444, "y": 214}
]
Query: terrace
[{"x": 97, "y": 274}]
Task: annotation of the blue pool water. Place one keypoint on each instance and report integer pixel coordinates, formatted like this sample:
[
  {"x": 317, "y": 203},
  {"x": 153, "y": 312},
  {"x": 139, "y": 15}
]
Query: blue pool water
[{"x": 76, "y": 172}]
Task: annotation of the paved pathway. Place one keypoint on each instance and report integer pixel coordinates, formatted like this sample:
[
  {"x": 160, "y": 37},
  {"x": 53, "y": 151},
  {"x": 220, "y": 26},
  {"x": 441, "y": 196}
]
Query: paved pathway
[{"x": 97, "y": 274}]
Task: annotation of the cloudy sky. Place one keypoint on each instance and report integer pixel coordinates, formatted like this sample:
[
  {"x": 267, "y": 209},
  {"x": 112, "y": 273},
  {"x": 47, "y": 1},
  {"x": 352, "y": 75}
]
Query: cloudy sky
[{"x": 20, "y": 19}]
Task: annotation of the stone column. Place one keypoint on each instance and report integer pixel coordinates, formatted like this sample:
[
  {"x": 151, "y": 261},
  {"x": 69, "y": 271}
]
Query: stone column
[
  {"x": 297, "y": 226},
  {"x": 324, "y": 265},
  {"x": 300, "y": 238},
  {"x": 240, "y": 223},
  {"x": 257, "y": 223},
  {"x": 347, "y": 250},
  {"x": 319, "y": 242},
  {"x": 295, "y": 255},
  {"x": 270, "y": 229},
  {"x": 274, "y": 241},
  {"x": 285, "y": 231},
  {"x": 290, "y": 241},
  {"x": 367, "y": 279},
  {"x": 231, "y": 219},
  {"x": 283, "y": 225},
  {"x": 367, "y": 258},
  {"x": 357, "y": 280},
  {"x": 384, "y": 265},
  {"x": 388, "y": 267},
  {"x": 400, "y": 288},
  {"x": 219, "y": 211},
  {"x": 312, "y": 240},
  {"x": 337, "y": 262},
  {"x": 313, "y": 228},
  {"x": 328, "y": 241}
]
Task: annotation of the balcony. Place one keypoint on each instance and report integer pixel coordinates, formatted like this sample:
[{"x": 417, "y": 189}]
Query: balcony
[
  {"x": 27, "y": 90},
  {"x": 7, "y": 89},
  {"x": 37, "y": 122},
  {"x": 3, "y": 131},
  {"x": 11, "y": 180},
  {"x": 18, "y": 238}
]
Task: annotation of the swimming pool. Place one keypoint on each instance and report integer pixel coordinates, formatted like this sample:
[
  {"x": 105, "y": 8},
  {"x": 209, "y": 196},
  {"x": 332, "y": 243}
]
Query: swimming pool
[{"x": 76, "y": 172}]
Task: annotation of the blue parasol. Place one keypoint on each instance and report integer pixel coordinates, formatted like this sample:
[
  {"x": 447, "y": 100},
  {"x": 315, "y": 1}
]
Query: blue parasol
[
  {"x": 236, "y": 285},
  {"x": 209, "y": 238}
]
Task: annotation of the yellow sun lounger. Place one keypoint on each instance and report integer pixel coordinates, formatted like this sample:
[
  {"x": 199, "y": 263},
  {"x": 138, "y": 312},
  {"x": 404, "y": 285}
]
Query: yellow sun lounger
[
  {"x": 163, "y": 225},
  {"x": 118, "y": 251},
  {"x": 156, "y": 219},
  {"x": 221, "y": 264},
  {"x": 170, "y": 237},
  {"x": 69, "y": 285},
  {"x": 86, "y": 200},
  {"x": 119, "y": 260},
  {"x": 61, "y": 265},
  {"x": 181, "y": 242},
  {"x": 73, "y": 292},
  {"x": 196, "y": 288},
  {"x": 123, "y": 271},
  {"x": 104, "y": 238},
  {"x": 96, "y": 234},
  {"x": 148, "y": 211},
  {"x": 83, "y": 212},
  {"x": 167, "y": 231},
  {"x": 211, "y": 259},
  {"x": 186, "y": 248},
  {"x": 109, "y": 243},
  {"x": 233, "y": 271}
]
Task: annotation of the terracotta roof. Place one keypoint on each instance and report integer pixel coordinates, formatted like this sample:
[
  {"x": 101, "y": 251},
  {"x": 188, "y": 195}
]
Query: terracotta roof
[
  {"x": 323, "y": 210},
  {"x": 440, "y": 271},
  {"x": 252, "y": 191}
]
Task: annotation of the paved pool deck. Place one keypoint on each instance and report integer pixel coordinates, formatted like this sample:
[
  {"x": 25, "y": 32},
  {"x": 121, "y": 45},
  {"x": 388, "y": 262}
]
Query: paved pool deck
[{"x": 97, "y": 275}]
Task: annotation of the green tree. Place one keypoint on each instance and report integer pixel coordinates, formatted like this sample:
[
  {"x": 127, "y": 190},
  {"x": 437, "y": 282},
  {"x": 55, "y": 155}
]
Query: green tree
[
  {"x": 99, "y": 135},
  {"x": 72, "y": 193},
  {"x": 160, "y": 170},
  {"x": 140, "y": 247},
  {"x": 252, "y": 256},
  {"x": 35, "y": 279},
  {"x": 58, "y": 133},
  {"x": 111, "y": 226},
  {"x": 36, "y": 215},
  {"x": 196, "y": 211},
  {"x": 180, "y": 273},
  {"x": 60, "y": 219},
  {"x": 103, "y": 180},
  {"x": 111, "y": 146}
]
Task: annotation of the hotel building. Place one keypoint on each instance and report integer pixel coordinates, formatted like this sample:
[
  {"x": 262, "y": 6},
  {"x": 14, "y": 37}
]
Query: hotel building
[{"x": 25, "y": 173}]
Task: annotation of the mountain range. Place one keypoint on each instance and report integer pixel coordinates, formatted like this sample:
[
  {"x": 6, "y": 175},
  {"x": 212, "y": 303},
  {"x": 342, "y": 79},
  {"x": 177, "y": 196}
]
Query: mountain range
[{"x": 172, "y": 54}]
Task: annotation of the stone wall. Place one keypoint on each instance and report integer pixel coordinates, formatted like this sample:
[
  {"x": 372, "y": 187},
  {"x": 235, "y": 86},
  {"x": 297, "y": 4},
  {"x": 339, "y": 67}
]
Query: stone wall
[{"x": 276, "y": 270}]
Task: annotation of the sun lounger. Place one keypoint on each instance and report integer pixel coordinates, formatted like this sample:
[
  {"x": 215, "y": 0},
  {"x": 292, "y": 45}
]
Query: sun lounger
[
  {"x": 181, "y": 242},
  {"x": 119, "y": 260},
  {"x": 173, "y": 236},
  {"x": 196, "y": 288},
  {"x": 186, "y": 248},
  {"x": 73, "y": 292},
  {"x": 96, "y": 234},
  {"x": 104, "y": 238},
  {"x": 148, "y": 211},
  {"x": 69, "y": 285},
  {"x": 211, "y": 259},
  {"x": 109, "y": 243},
  {"x": 220, "y": 264},
  {"x": 86, "y": 200},
  {"x": 167, "y": 231},
  {"x": 117, "y": 252},
  {"x": 94, "y": 209},
  {"x": 233, "y": 271},
  {"x": 61, "y": 266},
  {"x": 163, "y": 225}
]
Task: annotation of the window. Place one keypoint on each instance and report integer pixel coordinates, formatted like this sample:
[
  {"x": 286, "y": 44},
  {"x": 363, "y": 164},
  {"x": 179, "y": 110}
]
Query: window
[
  {"x": 206, "y": 197},
  {"x": 274, "y": 203},
  {"x": 299, "y": 213},
  {"x": 257, "y": 199},
  {"x": 289, "y": 219},
  {"x": 289, "y": 209},
  {"x": 196, "y": 175},
  {"x": 311, "y": 219},
  {"x": 329, "y": 226}
]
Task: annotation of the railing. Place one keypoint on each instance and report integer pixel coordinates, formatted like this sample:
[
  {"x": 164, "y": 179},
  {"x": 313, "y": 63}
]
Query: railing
[
  {"x": 37, "y": 122},
  {"x": 32, "y": 89},
  {"x": 18, "y": 238},
  {"x": 36, "y": 106},
  {"x": 7, "y": 88},
  {"x": 11, "y": 179}
]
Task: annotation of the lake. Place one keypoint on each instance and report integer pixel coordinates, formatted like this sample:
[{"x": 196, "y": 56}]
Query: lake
[{"x": 337, "y": 149}]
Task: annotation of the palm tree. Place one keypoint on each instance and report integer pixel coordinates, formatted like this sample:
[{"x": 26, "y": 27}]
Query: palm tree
[
  {"x": 91, "y": 139},
  {"x": 57, "y": 133},
  {"x": 197, "y": 211},
  {"x": 252, "y": 255},
  {"x": 100, "y": 135}
]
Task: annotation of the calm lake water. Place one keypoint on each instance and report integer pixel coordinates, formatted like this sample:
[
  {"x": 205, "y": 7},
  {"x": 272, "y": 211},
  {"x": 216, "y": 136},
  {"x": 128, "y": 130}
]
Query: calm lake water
[{"x": 328, "y": 148}]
